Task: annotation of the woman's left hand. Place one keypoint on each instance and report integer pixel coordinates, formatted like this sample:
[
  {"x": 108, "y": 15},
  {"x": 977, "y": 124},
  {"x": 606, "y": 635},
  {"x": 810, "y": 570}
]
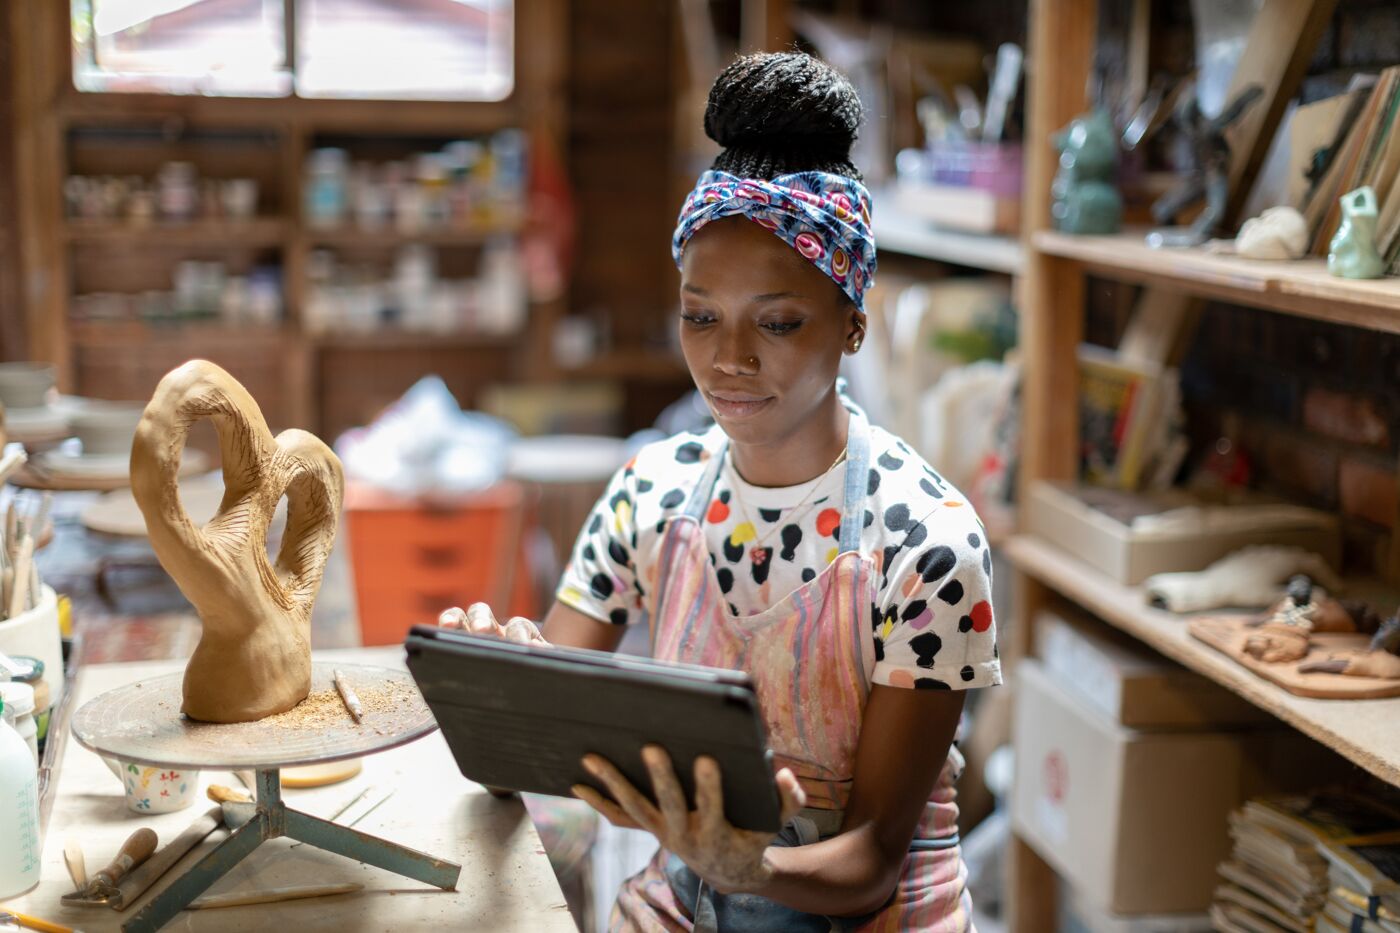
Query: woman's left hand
[{"x": 731, "y": 860}]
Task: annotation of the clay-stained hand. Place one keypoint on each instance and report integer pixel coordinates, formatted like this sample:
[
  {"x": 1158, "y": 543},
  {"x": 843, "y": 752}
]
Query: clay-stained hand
[
  {"x": 478, "y": 619},
  {"x": 731, "y": 860}
]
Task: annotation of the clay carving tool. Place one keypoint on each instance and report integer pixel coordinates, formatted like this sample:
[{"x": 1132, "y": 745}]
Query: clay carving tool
[
  {"x": 139, "y": 881},
  {"x": 103, "y": 886},
  {"x": 273, "y": 895},
  {"x": 352, "y": 702},
  {"x": 77, "y": 865}
]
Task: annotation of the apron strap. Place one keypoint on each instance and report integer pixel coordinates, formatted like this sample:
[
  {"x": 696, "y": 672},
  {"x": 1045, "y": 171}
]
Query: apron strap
[{"x": 857, "y": 480}]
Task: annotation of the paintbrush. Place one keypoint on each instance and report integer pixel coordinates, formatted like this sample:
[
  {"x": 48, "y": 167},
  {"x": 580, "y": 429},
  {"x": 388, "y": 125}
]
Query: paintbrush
[{"x": 19, "y": 599}]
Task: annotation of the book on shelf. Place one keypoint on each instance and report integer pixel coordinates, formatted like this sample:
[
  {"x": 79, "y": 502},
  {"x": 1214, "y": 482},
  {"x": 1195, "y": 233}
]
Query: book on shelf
[
  {"x": 1292, "y": 855},
  {"x": 1125, "y": 409}
]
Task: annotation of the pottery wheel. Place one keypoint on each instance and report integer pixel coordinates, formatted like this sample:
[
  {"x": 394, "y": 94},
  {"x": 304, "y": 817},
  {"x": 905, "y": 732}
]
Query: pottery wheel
[{"x": 142, "y": 723}]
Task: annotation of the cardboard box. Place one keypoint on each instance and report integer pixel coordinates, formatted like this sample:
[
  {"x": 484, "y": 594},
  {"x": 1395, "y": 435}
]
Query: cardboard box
[
  {"x": 1137, "y": 821},
  {"x": 1132, "y": 684},
  {"x": 1108, "y": 529}
]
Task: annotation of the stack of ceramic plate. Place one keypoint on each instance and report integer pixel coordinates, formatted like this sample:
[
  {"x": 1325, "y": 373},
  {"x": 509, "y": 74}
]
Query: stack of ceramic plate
[{"x": 31, "y": 415}]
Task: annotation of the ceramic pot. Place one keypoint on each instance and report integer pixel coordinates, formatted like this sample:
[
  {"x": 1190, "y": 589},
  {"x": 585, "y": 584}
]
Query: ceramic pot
[
  {"x": 26, "y": 385},
  {"x": 106, "y": 428}
]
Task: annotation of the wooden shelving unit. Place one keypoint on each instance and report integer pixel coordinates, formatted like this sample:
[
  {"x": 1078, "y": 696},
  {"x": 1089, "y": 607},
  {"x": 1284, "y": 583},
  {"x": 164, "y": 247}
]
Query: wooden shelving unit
[
  {"x": 1053, "y": 285},
  {"x": 321, "y": 382},
  {"x": 1304, "y": 288},
  {"x": 1371, "y": 740}
]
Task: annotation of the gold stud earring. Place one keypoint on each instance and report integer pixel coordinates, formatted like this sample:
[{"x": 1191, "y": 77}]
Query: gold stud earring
[{"x": 855, "y": 347}]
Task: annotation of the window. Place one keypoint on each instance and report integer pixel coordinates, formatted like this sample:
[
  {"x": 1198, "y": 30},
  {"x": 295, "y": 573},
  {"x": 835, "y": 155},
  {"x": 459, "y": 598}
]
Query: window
[{"x": 385, "y": 49}]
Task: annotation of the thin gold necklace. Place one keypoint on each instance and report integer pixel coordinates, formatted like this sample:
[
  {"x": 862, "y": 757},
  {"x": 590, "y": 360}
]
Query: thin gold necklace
[{"x": 757, "y": 554}]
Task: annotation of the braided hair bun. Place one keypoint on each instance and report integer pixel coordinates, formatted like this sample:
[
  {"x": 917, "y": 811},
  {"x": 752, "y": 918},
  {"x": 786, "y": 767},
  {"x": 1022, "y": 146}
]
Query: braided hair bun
[{"x": 781, "y": 112}]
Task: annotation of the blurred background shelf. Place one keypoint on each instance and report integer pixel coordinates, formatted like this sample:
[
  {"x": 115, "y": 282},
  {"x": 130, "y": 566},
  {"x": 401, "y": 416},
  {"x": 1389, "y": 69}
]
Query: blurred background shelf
[
  {"x": 256, "y": 232},
  {"x": 899, "y": 232}
]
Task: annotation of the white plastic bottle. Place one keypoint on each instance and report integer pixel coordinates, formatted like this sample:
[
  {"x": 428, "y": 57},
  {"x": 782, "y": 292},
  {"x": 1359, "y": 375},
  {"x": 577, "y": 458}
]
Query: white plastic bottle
[{"x": 19, "y": 813}]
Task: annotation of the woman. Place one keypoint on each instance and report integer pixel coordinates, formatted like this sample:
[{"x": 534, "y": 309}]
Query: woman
[{"x": 795, "y": 541}]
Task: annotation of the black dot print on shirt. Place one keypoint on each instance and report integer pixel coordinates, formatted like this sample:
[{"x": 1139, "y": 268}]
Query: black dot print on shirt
[
  {"x": 792, "y": 537},
  {"x": 869, "y": 518},
  {"x": 733, "y": 609},
  {"x": 660, "y": 527},
  {"x": 973, "y": 540},
  {"x": 689, "y": 452},
  {"x": 965, "y": 624},
  {"x": 913, "y": 610},
  {"x": 951, "y": 594},
  {"x": 987, "y": 564},
  {"x": 873, "y": 483},
  {"x": 879, "y": 649},
  {"x": 618, "y": 498},
  {"x": 617, "y": 552},
  {"x": 644, "y": 485},
  {"x": 967, "y": 673},
  {"x": 726, "y": 579},
  {"x": 589, "y": 553},
  {"x": 929, "y": 683},
  {"x": 760, "y": 568},
  {"x": 596, "y": 524},
  {"x": 897, "y": 517},
  {"x": 903, "y": 446},
  {"x": 672, "y": 498},
  {"x": 889, "y": 462},
  {"x": 733, "y": 551},
  {"x": 935, "y": 563},
  {"x": 618, "y": 617},
  {"x": 808, "y": 574},
  {"x": 929, "y": 488},
  {"x": 926, "y": 646},
  {"x": 770, "y": 515},
  {"x": 891, "y": 552},
  {"x": 724, "y": 496},
  {"x": 916, "y": 536},
  {"x": 601, "y": 585}
]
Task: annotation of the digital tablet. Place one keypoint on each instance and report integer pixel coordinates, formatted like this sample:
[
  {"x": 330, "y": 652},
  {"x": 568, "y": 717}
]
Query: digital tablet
[{"x": 522, "y": 717}]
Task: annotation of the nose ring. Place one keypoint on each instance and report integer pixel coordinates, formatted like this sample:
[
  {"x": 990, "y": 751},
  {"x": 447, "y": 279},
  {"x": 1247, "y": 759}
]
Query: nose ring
[{"x": 752, "y": 362}]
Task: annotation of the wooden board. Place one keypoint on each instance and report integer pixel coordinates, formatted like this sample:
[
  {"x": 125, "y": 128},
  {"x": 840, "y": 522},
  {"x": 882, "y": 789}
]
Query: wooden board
[{"x": 1227, "y": 634}]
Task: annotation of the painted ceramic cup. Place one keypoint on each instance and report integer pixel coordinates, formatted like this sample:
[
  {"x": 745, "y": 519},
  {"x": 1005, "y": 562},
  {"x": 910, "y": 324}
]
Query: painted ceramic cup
[
  {"x": 106, "y": 427},
  {"x": 154, "y": 790},
  {"x": 26, "y": 385}
]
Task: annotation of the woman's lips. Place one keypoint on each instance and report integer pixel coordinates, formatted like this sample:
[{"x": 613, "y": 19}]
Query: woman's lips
[{"x": 737, "y": 405}]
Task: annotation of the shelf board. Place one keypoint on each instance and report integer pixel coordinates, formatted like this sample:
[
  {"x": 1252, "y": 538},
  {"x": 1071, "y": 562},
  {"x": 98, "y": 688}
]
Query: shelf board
[
  {"x": 394, "y": 339},
  {"x": 125, "y": 334},
  {"x": 237, "y": 234},
  {"x": 634, "y": 365},
  {"x": 388, "y": 239},
  {"x": 1363, "y": 731},
  {"x": 1303, "y": 287},
  {"x": 897, "y": 232}
]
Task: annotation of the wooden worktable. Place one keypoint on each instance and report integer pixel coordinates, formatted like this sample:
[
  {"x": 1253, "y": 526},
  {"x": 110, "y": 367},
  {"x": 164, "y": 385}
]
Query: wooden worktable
[{"x": 506, "y": 883}]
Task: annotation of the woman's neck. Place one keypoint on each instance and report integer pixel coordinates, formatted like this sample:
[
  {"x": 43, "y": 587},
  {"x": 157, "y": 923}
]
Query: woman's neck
[{"x": 799, "y": 456}]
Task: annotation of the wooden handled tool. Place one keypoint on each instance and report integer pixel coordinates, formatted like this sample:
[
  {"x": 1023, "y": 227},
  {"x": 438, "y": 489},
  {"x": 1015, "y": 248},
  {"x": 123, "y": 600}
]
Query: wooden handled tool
[
  {"x": 77, "y": 865},
  {"x": 140, "y": 880},
  {"x": 103, "y": 886},
  {"x": 221, "y": 794}
]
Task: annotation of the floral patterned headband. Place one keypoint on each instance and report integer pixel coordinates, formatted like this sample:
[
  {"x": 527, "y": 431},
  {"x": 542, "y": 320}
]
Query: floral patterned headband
[{"x": 825, "y": 217}]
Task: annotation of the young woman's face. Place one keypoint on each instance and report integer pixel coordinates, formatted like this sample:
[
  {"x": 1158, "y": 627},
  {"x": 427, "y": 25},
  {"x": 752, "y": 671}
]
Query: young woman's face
[{"x": 762, "y": 330}]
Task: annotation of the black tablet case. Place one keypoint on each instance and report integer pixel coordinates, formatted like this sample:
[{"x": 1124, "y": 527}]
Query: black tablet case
[{"x": 522, "y": 717}]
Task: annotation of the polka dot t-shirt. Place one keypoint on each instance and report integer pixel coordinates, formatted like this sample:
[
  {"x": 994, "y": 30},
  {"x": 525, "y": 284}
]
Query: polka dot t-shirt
[{"x": 931, "y": 622}]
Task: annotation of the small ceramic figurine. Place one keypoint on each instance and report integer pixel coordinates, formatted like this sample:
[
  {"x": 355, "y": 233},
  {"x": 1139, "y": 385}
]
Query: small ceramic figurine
[
  {"x": 1085, "y": 198},
  {"x": 1278, "y": 233},
  {"x": 1353, "y": 253},
  {"x": 254, "y": 654},
  {"x": 1209, "y": 174}
]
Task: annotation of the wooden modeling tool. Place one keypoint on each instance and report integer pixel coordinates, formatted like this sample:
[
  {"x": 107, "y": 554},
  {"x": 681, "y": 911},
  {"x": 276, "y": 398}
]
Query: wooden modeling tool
[
  {"x": 347, "y": 693},
  {"x": 139, "y": 881},
  {"x": 77, "y": 866},
  {"x": 273, "y": 895}
]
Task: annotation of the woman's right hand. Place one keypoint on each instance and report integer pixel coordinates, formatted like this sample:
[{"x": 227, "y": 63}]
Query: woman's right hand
[{"x": 478, "y": 619}]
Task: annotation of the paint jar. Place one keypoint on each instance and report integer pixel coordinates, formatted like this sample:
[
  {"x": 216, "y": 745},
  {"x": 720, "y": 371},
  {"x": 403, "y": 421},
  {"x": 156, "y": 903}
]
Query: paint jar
[{"x": 19, "y": 812}]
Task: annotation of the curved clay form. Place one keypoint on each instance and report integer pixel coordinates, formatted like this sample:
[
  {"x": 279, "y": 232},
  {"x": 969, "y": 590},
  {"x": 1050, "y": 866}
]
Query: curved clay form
[{"x": 254, "y": 656}]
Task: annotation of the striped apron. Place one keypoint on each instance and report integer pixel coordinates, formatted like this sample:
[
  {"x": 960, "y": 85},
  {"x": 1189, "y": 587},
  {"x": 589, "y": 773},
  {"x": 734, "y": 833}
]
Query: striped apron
[{"x": 811, "y": 656}]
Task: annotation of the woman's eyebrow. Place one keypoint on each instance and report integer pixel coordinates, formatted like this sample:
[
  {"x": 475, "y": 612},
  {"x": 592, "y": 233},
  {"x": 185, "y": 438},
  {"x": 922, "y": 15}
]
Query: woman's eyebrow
[{"x": 775, "y": 296}]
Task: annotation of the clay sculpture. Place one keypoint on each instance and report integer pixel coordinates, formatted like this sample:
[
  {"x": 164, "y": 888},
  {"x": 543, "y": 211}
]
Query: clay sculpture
[
  {"x": 254, "y": 654},
  {"x": 1352, "y": 253},
  {"x": 1381, "y": 658},
  {"x": 1247, "y": 578}
]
